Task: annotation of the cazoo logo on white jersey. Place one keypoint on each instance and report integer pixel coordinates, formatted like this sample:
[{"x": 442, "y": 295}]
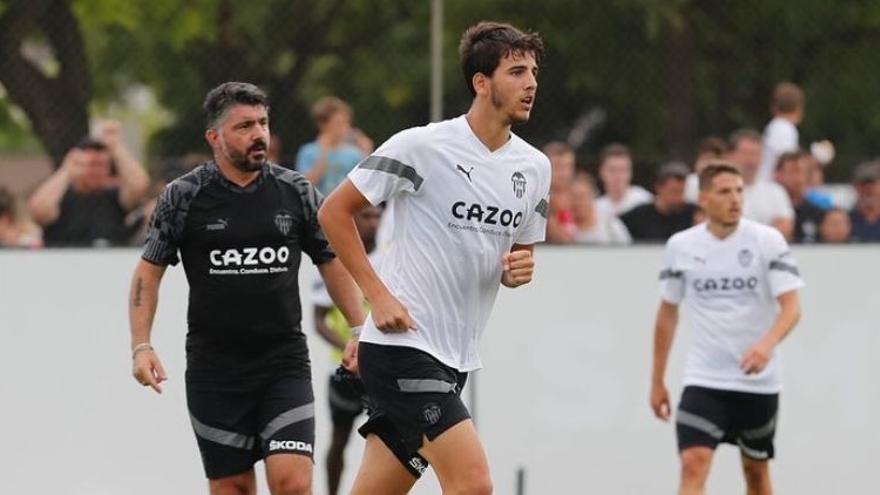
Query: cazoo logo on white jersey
[
  {"x": 248, "y": 261},
  {"x": 486, "y": 216}
]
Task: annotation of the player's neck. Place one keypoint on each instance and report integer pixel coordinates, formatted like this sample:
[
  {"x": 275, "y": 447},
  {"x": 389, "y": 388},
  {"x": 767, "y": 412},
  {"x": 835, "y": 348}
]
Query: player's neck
[
  {"x": 721, "y": 230},
  {"x": 233, "y": 174},
  {"x": 488, "y": 126}
]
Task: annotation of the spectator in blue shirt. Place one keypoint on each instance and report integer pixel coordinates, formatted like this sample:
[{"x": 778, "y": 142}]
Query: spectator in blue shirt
[{"x": 328, "y": 159}]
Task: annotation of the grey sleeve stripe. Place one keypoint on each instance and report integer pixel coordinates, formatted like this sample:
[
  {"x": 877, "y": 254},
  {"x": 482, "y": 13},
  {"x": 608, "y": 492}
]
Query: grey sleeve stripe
[
  {"x": 758, "y": 455},
  {"x": 542, "y": 208},
  {"x": 288, "y": 418},
  {"x": 697, "y": 422},
  {"x": 761, "y": 431},
  {"x": 223, "y": 437},
  {"x": 392, "y": 166},
  {"x": 785, "y": 267},
  {"x": 670, "y": 273},
  {"x": 425, "y": 385}
]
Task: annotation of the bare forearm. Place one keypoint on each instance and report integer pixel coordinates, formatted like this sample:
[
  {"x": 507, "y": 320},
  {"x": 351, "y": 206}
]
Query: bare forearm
[
  {"x": 789, "y": 315},
  {"x": 664, "y": 333},
  {"x": 134, "y": 180},
  {"x": 343, "y": 291},
  {"x": 143, "y": 300},
  {"x": 44, "y": 204}
]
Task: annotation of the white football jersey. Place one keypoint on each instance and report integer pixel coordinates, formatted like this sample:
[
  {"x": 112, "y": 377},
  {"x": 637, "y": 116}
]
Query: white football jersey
[
  {"x": 729, "y": 288},
  {"x": 457, "y": 209}
]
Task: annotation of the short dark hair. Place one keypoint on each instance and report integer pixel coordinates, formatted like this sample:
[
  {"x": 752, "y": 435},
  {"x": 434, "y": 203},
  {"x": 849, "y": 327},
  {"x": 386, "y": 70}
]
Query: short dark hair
[
  {"x": 741, "y": 135},
  {"x": 613, "y": 149},
  {"x": 91, "y": 144},
  {"x": 787, "y": 97},
  {"x": 556, "y": 148},
  {"x": 484, "y": 45},
  {"x": 327, "y": 107},
  {"x": 715, "y": 169},
  {"x": 789, "y": 156},
  {"x": 221, "y": 98},
  {"x": 714, "y": 145},
  {"x": 671, "y": 170}
]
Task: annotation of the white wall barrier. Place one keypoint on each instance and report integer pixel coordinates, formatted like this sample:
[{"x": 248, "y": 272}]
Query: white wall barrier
[{"x": 563, "y": 395}]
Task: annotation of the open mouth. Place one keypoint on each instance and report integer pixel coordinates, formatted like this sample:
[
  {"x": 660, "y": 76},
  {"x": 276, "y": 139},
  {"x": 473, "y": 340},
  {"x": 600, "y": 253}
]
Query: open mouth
[{"x": 527, "y": 101}]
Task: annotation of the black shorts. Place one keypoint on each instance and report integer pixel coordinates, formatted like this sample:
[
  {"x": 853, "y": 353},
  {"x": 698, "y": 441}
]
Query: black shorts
[
  {"x": 236, "y": 429},
  {"x": 346, "y": 395},
  {"x": 411, "y": 395},
  {"x": 708, "y": 416}
]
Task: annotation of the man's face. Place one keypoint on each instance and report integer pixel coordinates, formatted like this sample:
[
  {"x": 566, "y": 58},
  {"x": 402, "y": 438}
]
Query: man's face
[
  {"x": 722, "y": 201},
  {"x": 616, "y": 174},
  {"x": 513, "y": 85},
  {"x": 670, "y": 192},
  {"x": 793, "y": 177},
  {"x": 367, "y": 222},
  {"x": 747, "y": 155},
  {"x": 94, "y": 169},
  {"x": 583, "y": 197},
  {"x": 836, "y": 227},
  {"x": 338, "y": 126},
  {"x": 242, "y": 137},
  {"x": 562, "y": 170}
]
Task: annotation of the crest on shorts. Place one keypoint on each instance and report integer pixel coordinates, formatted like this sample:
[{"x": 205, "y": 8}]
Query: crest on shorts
[
  {"x": 432, "y": 414},
  {"x": 745, "y": 258},
  {"x": 519, "y": 184},
  {"x": 283, "y": 221}
]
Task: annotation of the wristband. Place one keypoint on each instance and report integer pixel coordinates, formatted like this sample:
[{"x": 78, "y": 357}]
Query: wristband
[
  {"x": 356, "y": 331},
  {"x": 146, "y": 346}
]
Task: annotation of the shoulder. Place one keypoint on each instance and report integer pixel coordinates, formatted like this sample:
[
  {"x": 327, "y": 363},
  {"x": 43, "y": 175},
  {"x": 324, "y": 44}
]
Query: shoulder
[
  {"x": 765, "y": 235},
  {"x": 535, "y": 157},
  {"x": 780, "y": 128},
  {"x": 407, "y": 140},
  {"x": 686, "y": 236},
  {"x": 289, "y": 177},
  {"x": 184, "y": 188}
]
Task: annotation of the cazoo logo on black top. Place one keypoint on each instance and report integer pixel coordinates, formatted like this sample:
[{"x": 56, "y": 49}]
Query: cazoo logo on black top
[{"x": 248, "y": 261}]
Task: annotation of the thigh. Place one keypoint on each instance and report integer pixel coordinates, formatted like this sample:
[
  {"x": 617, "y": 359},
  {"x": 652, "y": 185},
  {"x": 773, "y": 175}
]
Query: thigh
[
  {"x": 287, "y": 418},
  {"x": 225, "y": 425},
  {"x": 702, "y": 419},
  {"x": 754, "y": 425},
  {"x": 381, "y": 471},
  {"x": 457, "y": 456}
]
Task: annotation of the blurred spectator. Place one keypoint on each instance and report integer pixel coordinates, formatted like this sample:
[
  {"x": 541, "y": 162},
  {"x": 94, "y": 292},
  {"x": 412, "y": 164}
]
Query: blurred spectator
[
  {"x": 865, "y": 216},
  {"x": 711, "y": 149},
  {"x": 328, "y": 159},
  {"x": 815, "y": 181},
  {"x": 781, "y": 134},
  {"x": 763, "y": 201},
  {"x": 792, "y": 172},
  {"x": 615, "y": 171},
  {"x": 275, "y": 153},
  {"x": 13, "y": 231},
  {"x": 83, "y": 203},
  {"x": 560, "y": 221},
  {"x": 593, "y": 226},
  {"x": 668, "y": 213},
  {"x": 836, "y": 227},
  {"x": 361, "y": 141}
]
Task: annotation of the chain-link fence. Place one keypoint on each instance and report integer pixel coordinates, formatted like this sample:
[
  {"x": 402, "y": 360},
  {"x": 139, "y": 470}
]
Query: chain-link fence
[{"x": 656, "y": 76}]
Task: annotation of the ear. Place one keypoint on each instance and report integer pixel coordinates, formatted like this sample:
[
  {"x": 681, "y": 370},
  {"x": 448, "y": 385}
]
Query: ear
[
  {"x": 481, "y": 84},
  {"x": 211, "y": 136}
]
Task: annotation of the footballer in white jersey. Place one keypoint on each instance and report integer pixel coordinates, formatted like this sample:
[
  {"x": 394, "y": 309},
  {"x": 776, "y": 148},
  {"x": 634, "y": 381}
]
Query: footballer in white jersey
[
  {"x": 469, "y": 200},
  {"x": 738, "y": 282}
]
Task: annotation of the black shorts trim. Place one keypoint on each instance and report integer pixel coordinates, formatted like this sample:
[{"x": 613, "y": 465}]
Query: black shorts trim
[
  {"x": 707, "y": 417},
  {"x": 412, "y": 396},
  {"x": 234, "y": 430}
]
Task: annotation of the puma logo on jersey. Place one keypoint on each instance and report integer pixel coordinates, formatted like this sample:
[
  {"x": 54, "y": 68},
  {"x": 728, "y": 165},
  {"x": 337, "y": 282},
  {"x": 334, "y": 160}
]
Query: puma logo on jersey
[
  {"x": 492, "y": 215},
  {"x": 249, "y": 256},
  {"x": 222, "y": 224},
  {"x": 466, "y": 172}
]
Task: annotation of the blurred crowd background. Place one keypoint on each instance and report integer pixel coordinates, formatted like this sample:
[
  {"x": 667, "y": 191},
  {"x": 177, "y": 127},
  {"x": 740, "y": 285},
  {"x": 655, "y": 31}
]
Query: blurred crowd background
[{"x": 100, "y": 105}]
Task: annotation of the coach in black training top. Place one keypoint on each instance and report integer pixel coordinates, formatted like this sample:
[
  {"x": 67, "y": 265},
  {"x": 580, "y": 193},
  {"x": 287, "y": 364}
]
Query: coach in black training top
[{"x": 240, "y": 226}]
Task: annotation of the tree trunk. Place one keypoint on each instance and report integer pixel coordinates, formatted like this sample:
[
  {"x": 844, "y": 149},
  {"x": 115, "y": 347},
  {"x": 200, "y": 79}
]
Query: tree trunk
[
  {"x": 680, "y": 73},
  {"x": 57, "y": 106}
]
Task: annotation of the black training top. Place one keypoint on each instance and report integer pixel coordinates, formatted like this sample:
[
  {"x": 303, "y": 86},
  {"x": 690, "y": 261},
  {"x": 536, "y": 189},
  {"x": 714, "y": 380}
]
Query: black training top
[
  {"x": 241, "y": 250},
  {"x": 95, "y": 219}
]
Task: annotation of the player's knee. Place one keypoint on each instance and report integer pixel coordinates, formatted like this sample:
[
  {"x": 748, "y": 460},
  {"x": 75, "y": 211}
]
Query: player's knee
[
  {"x": 757, "y": 474},
  {"x": 480, "y": 484},
  {"x": 695, "y": 463},
  {"x": 290, "y": 484},
  {"x": 233, "y": 485}
]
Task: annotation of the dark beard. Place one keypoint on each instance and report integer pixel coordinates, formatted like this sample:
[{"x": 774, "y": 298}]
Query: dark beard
[{"x": 242, "y": 162}]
